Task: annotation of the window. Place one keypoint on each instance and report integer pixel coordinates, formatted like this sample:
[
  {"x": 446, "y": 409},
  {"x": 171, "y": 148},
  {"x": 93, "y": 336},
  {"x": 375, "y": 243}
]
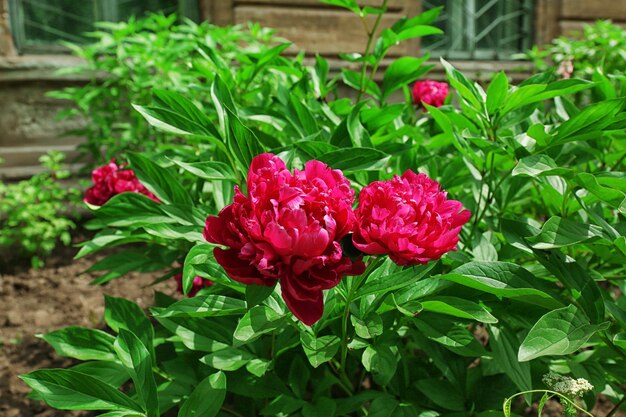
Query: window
[
  {"x": 39, "y": 25},
  {"x": 480, "y": 29}
]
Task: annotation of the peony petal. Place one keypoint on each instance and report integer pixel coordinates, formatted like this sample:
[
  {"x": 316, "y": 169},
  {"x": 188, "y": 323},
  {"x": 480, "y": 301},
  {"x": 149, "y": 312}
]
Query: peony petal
[
  {"x": 238, "y": 269},
  {"x": 307, "y": 306}
]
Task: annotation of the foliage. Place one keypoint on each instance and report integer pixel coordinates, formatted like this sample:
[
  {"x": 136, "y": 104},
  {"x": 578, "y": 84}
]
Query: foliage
[
  {"x": 128, "y": 60},
  {"x": 597, "y": 53},
  {"x": 35, "y": 213},
  {"x": 535, "y": 285}
]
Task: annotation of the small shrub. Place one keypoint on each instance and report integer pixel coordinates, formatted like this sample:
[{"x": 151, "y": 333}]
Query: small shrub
[{"x": 35, "y": 213}]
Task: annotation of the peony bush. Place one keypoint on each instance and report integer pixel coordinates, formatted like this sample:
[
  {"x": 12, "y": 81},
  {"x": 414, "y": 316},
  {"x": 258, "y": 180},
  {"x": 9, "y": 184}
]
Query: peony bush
[{"x": 352, "y": 257}]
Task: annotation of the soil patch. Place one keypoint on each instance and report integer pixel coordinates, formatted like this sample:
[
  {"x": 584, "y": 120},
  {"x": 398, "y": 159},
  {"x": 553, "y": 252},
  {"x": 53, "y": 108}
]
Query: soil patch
[{"x": 39, "y": 301}]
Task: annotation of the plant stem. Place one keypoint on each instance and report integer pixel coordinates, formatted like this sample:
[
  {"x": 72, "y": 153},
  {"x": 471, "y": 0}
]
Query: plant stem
[
  {"x": 553, "y": 393},
  {"x": 368, "y": 46}
]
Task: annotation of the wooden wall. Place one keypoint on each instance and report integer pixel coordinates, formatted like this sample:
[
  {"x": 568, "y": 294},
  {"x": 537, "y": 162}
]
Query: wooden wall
[{"x": 28, "y": 126}]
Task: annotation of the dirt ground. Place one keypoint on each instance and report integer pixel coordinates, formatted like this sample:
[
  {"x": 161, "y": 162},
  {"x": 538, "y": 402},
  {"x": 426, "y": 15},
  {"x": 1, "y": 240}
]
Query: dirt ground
[{"x": 39, "y": 301}]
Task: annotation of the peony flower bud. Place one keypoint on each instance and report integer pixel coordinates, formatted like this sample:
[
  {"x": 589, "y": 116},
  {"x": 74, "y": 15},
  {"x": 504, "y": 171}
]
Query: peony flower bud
[
  {"x": 409, "y": 218},
  {"x": 429, "y": 92},
  {"x": 112, "y": 179},
  {"x": 198, "y": 284},
  {"x": 288, "y": 230}
]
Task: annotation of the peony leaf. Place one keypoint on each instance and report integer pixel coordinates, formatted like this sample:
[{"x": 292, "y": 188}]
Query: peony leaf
[
  {"x": 258, "y": 321},
  {"x": 319, "y": 350},
  {"x": 558, "y": 332},
  {"x": 458, "y": 307},
  {"x": 558, "y": 232},
  {"x": 207, "y": 398},
  {"x": 70, "y": 390},
  {"x": 205, "y": 306},
  {"x": 82, "y": 343}
]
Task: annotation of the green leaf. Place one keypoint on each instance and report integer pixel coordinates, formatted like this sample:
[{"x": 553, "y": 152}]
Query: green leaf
[
  {"x": 503, "y": 279},
  {"x": 120, "y": 313},
  {"x": 207, "y": 398},
  {"x": 458, "y": 307},
  {"x": 138, "y": 361},
  {"x": 377, "y": 284},
  {"x": 356, "y": 159},
  {"x": 240, "y": 141},
  {"x": 323, "y": 407},
  {"x": 183, "y": 107},
  {"x": 258, "y": 321},
  {"x": 129, "y": 210},
  {"x": 70, "y": 390},
  {"x": 198, "y": 255},
  {"x": 209, "y": 170},
  {"x": 160, "y": 181},
  {"x": 497, "y": 92},
  {"x": 319, "y": 350},
  {"x": 504, "y": 347},
  {"x": 577, "y": 280},
  {"x": 256, "y": 294},
  {"x": 369, "y": 327},
  {"x": 539, "y": 165},
  {"x": 466, "y": 88},
  {"x": 113, "y": 373},
  {"x": 558, "y": 232},
  {"x": 401, "y": 72},
  {"x": 614, "y": 198},
  {"x": 82, "y": 343},
  {"x": 589, "y": 123},
  {"x": 454, "y": 336},
  {"x": 381, "y": 362},
  {"x": 558, "y": 332},
  {"x": 170, "y": 121},
  {"x": 205, "y": 306},
  {"x": 442, "y": 392},
  {"x": 227, "y": 359}
]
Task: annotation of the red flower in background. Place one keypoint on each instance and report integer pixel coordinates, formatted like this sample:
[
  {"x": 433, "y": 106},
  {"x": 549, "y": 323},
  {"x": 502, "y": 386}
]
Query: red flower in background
[
  {"x": 112, "y": 179},
  {"x": 288, "y": 229},
  {"x": 429, "y": 92},
  {"x": 410, "y": 218},
  {"x": 198, "y": 284}
]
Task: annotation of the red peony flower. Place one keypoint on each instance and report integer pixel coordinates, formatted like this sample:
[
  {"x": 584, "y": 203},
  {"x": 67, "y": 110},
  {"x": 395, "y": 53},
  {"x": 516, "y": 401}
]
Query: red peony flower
[
  {"x": 409, "y": 218},
  {"x": 288, "y": 229},
  {"x": 429, "y": 92},
  {"x": 112, "y": 179},
  {"x": 198, "y": 284}
]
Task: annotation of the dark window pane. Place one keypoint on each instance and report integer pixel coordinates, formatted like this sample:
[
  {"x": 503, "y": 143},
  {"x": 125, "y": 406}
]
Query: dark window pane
[
  {"x": 39, "y": 25},
  {"x": 480, "y": 29},
  {"x": 48, "y": 21}
]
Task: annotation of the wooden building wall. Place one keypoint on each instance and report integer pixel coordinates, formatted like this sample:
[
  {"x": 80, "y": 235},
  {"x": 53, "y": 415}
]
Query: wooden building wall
[{"x": 27, "y": 117}]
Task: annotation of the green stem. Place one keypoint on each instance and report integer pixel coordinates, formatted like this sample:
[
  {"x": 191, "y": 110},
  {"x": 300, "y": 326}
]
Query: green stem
[
  {"x": 358, "y": 281},
  {"x": 368, "y": 46},
  {"x": 554, "y": 393}
]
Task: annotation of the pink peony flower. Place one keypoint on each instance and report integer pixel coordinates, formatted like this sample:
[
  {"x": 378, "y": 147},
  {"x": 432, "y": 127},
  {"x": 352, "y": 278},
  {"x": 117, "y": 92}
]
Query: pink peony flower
[
  {"x": 198, "y": 284},
  {"x": 112, "y": 179},
  {"x": 409, "y": 218},
  {"x": 288, "y": 229},
  {"x": 429, "y": 92}
]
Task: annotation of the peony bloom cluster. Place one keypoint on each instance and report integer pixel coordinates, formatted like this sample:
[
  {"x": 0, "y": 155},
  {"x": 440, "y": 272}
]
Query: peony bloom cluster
[
  {"x": 429, "y": 92},
  {"x": 112, "y": 179},
  {"x": 198, "y": 284},
  {"x": 288, "y": 229},
  {"x": 409, "y": 218}
]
